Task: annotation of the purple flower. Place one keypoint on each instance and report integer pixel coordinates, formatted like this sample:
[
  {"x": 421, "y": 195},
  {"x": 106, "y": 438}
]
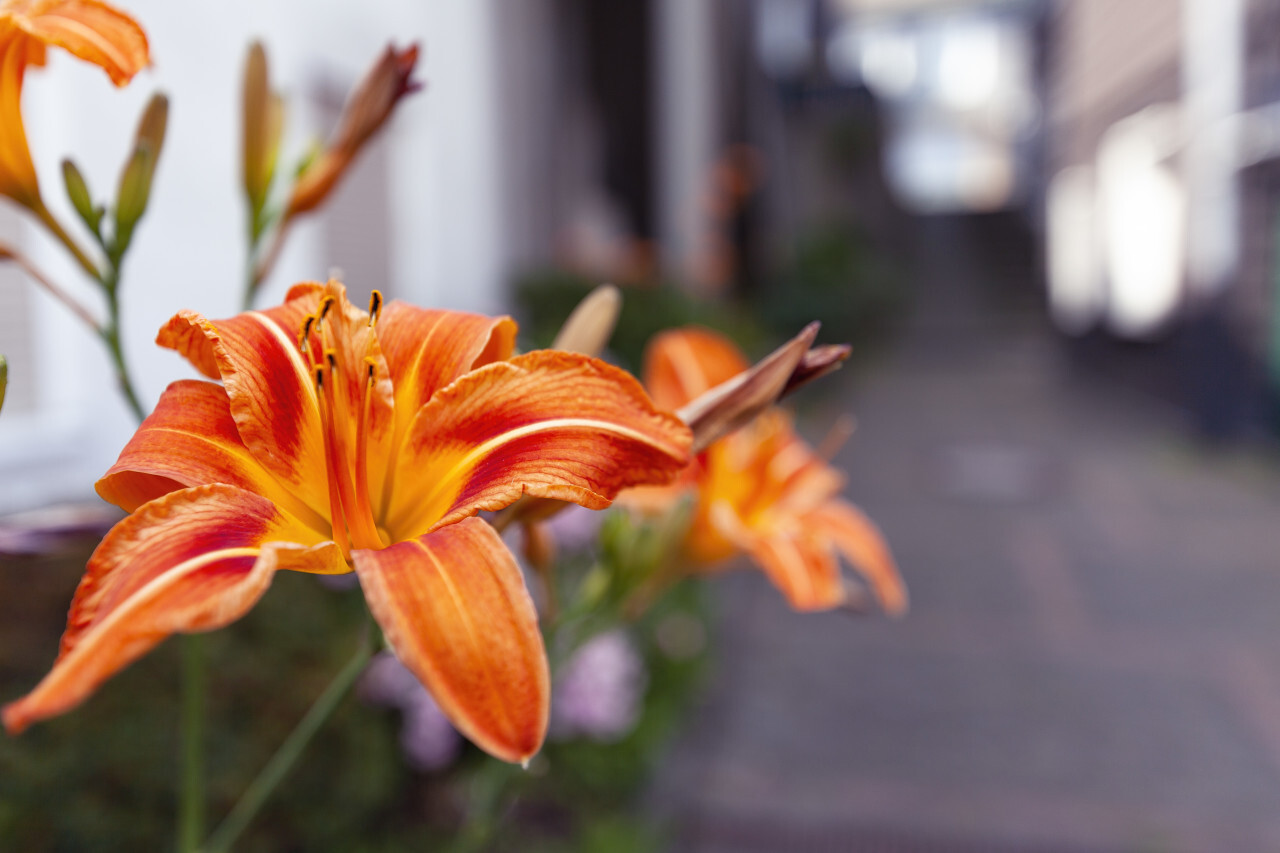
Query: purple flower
[
  {"x": 428, "y": 739},
  {"x": 600, "y": 691}
]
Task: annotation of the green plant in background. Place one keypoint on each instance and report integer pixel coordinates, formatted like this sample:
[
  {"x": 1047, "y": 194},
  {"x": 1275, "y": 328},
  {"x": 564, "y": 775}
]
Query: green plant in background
[{"x": 837, "y": 274}]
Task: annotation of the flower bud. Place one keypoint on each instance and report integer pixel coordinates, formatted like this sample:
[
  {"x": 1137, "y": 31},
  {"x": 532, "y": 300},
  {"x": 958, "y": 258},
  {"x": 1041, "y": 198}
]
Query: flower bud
[
  {"x": 733, "y": 403},
  {"x": 135, "y": 180},
  {"x": 366, "y": 111},
  {"x": 262, "y": 123},
  {"x": 590, "y": 325}
]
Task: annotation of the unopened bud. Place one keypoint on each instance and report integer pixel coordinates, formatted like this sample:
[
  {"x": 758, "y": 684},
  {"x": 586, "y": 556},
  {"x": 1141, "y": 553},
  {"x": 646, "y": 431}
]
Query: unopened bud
[
  {"x": 817, "y": 362},
  {"x": 4, "y": 378},
  {"x": 78, "y": 193},
  {"x": 738, "y": 400},
  {"x": 590, "y": 325},
  {"x": 366, "y": 111},
  {"x": 135, "y": 180},
  {"x": 263, "y": 123}
]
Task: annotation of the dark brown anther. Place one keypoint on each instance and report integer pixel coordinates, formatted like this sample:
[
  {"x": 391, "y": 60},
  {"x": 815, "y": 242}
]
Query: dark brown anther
[
  {"x": 375, "y": 306},
  {"x": 306, "y": 332}
]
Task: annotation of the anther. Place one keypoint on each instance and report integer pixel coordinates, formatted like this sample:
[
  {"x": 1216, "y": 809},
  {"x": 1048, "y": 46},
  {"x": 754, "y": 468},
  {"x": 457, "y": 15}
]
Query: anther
[
  {"x": 375, "y": 306},
  {"x": 319, "y": 376},
  {"x": 332, "y": 358},
  {"x": 306, "y": 332},
  {"x": 324, "y": 309}
]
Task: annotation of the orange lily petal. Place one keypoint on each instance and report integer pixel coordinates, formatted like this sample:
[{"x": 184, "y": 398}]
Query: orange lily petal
[
  {"x": 805, "y": 571},
  {"x": 428, "y": 349},
  {"x": 455, "y": 609},
  {"x": 803, "y": 568},
  {"x": 194, "y": 560},
  {"x": 90, "y": 29},
  {"x": 682, "y": 364},
  {"x": 271, "y": 389},
  {"x": 552, "y": 424},
  {"x": 17, "y": 173},
  {"x": 862, "y": 544},
  {"x": 191, "y": 440}
]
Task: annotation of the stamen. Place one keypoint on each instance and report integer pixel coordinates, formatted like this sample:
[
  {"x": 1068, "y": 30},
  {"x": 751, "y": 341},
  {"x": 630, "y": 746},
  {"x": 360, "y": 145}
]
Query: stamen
[
  {"x": 337, "y": 521},
  {"x": 363, "y": 509},
  {"x": 352, "y": 500},
  {"x": 375, "y": 306}
]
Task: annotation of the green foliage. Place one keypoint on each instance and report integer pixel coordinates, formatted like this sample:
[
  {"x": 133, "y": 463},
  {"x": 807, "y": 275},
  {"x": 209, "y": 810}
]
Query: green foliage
[
  {"x": 104, "y": 777},
  {"x": 837, "y": 277}
]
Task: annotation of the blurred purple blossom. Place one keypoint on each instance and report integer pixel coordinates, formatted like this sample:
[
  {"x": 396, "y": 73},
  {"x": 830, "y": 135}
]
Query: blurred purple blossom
[
  {"x": 427, "y": 738},
  {"x": 575, "y": 527},
  {"x": 599, "y": 692}
]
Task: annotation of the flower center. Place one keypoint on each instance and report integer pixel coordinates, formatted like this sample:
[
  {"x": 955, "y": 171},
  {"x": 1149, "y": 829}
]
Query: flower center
[{"x": 345, "y": 374}]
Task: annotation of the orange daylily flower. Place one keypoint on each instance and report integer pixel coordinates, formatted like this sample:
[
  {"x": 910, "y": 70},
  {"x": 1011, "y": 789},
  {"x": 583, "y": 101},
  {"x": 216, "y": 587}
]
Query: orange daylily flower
[
  {"x": 90, "y": 29},
  {"x": 341, "y": 440},
  {"x": 762, "y": 491}
]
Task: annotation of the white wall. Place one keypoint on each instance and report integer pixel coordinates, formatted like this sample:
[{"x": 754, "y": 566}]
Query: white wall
[{"x": 447, "y": 245}]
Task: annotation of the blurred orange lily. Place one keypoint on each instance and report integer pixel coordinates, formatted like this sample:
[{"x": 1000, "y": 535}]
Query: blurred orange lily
[
  {"x": 90, "y": 29},
  {"x": 762, "y": 491},
  {"x": 342, "y": 440}
]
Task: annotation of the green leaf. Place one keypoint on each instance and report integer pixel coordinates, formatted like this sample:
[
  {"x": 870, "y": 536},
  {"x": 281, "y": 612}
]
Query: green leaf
[{"x": 4, "y": 378}]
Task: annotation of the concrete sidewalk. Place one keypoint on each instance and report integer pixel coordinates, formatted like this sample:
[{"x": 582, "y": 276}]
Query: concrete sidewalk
[{"x": 1092, "y": 658}]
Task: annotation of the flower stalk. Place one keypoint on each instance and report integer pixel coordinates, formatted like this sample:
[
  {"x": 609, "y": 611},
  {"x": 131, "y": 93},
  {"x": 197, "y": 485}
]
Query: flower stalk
[{"x": 278, "y": 767}]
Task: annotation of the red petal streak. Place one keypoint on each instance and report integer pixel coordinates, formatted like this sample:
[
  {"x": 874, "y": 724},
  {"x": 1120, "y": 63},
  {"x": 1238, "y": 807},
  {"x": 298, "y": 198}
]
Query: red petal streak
[
  {"x": 455, "y": 609},
  {"x": 553, "y": 424},
  {"x": 193, "y": 560},
  {"x": 271, "y": 388},
  {"x": 191, "y": 440}
]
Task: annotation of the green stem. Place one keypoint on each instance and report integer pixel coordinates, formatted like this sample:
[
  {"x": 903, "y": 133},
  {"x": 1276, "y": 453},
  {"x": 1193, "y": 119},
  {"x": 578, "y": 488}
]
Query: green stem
[
  {"x": 254, "y": 796},
  {"x": 488, "y": 795},
  {"x": 55, "y": 228},
  {"x": 261, "y": 262},
  {"x": 191, "y": 809},
  {"x": 111, "y": 337}
]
